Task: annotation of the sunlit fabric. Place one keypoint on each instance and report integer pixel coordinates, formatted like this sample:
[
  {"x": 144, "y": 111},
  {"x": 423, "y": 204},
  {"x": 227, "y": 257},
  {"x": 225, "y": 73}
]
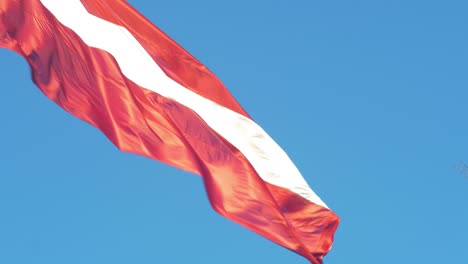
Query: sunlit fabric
[{"x": 106, "y": 64}]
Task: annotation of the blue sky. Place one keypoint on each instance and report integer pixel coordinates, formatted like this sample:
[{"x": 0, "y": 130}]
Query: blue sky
[{"x": 369, "y": 98}]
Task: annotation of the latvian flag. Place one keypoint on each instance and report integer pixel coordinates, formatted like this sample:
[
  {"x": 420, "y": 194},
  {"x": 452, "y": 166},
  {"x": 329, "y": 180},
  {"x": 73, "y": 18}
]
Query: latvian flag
[{"x": 106, "y": 64}]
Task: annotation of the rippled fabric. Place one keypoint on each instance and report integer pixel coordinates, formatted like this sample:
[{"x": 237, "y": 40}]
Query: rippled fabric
[{"x": 89, "y": 83}]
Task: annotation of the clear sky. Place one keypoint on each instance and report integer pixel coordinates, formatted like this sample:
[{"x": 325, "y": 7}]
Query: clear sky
[{"x": 368, "y": 97}]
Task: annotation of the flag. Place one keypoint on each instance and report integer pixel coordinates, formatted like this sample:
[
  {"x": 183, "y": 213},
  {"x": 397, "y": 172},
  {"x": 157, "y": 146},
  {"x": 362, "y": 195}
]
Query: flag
[{"x": 106, "y": 64}]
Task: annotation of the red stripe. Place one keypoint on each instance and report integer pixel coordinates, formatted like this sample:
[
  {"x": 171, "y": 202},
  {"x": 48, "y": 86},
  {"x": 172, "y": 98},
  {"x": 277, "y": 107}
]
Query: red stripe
[
  {"x": 88, "y": 83},
  {"x": 174, "y": 60}
]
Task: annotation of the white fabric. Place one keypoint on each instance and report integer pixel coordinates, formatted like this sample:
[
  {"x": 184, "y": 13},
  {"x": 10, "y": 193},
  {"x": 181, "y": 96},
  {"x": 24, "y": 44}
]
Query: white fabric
[{"x": 270, "y": 161}]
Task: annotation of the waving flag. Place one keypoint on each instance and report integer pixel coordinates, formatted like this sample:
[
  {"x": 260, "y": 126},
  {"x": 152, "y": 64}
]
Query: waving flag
[{"x": 106, "y": 64}]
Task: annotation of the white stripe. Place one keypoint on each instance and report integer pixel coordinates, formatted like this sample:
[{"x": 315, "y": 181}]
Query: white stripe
[{"x": 270, "y": 161}]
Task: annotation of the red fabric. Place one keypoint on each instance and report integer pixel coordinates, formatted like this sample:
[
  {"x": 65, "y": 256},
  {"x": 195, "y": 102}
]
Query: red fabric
[
  {"x": 87, "y": 83},
  {"x": 176, "y": 62}
]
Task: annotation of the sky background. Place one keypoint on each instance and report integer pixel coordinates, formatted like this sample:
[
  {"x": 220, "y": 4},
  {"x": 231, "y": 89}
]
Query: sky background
[{"x": 368, "y": 97}]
